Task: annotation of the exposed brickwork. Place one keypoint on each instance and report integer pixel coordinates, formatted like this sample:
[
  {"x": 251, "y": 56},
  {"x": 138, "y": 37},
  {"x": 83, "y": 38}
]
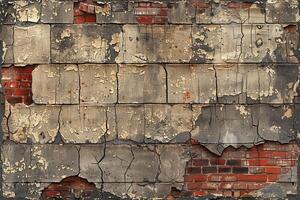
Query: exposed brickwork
[
  {"x": 151, "y": 13},
  {"x": 17, "y": 82},
  {"x": 84, "y": 12},
  {"x": 239, "y": 172}
]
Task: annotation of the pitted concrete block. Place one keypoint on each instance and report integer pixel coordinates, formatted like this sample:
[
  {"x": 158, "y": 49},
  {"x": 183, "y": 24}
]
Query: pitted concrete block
[
  {"x": 168, "y": 123},
  {"x": 210, "y": 43},
  {"x": 87, "y": 124},
  {"x": 131, "y": 131},
  {"x": 225, "y": 12},
  {"x": 142, "y": 84},
  {"x": 114, "y": 164},
  {"x": 37, "y": 123},
  {"x": 98, "y": 83},
  {"x": 254, "y": 83},
  {"x": 145, "y": 165},
  {"x": 57, "y": 11},
  {"x": 25, "y": 163},
  {"x": 32, "y": 44},
  {"x": 27, "y": 11},
  {"x": 23, "y": 190},
  {"x": 173, "y": 159},
  {"x": 6, "y": 33},
  {"x": 263, "y": 43},
  {"x": 181, "y": 12},
  {"x": 191, "y": 83},
  {"x": 218, "y": 127},
  {"x": 55, "y": 84},
  {"x": 276, "y": 123},
  {"x": 282, "y": 11},
  {"x": 85, "y": 43},
  {"x": 155, "y": 43},
  {"x": 258, "y": 122}
]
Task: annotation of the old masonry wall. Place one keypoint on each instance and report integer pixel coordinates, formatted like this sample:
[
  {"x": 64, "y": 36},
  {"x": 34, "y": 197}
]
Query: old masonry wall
[{"x": 146, "y": 99}]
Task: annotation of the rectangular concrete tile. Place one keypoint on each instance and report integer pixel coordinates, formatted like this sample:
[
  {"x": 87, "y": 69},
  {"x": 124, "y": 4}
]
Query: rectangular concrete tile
[
  {"x": 191, "y": 83},
  {"x": 57, "y": 11},
  {"x": 210, "y": 43},
  {"x": 142, "y": 84},
  {"x": 32, "y": 44},
  {"x": 135, "y": 114},
  {"x": 168, "y": 123},
  {"x": 42, "y": 163},
  {"x": 82, "y": 43},
  {"x": 39, "y": 124},
  {"x": 87, "y": 124},
  {"x": 155, "y": 43},
  {"x": 55, "y": 84},
  {"x": 27, "y": 11},
  {"x": 282, "y": 11},
  {"x": 98, "y": 83}
]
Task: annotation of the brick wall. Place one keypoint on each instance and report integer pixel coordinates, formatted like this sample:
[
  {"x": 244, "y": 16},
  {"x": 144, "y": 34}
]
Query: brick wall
[{"x": 150, "y": 99}]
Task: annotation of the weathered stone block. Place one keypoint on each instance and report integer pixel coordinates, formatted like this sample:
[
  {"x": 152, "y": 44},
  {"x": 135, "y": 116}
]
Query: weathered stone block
[
  {"x": 114, "y": 164},
  {"x": 98, "y": 83},
  {"x": 156, "y": 43},
  {"x": 168, "y": 123},
  {"x": 180, "y": 12},
  {"x": 57, "y": 11},
  {"x": 85, "y": 43},
  {"x": 282, "y": 11},
  {"x": 27, "y": 11},
  {"x": 225, "y": 12},
  {"x": 6, "y": 33},
  {"x": 131, "y": 131},
  {"x": 23, "y": 190},
  {"x": 173, "y": 161},
  {"x": 253, "y": 83},
  {"x": 55, "y": 84},
  {"x": 191, "y": 83},
  {"x": 36, "y": 123},
  {"x": 258, "y": 122},
  {"x": 263, "y": 43},
  {"x": 32, "y": 44},
  {"x": 92, "y": 124},
  {"x": 210, "y": 43},
  {"x": 25, "y": 163},
  {"x": 142, "y": 84}
]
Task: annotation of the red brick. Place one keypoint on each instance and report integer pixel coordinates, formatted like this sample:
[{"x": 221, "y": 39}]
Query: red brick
[
  {"x": 194, "y": 170},
  {"x": 79, "y": 20},
  {"x": 273, "y": 178},
  {"x": 193, "y": 186},
  {"x": 256, "y": 186},
  {"x": 199, "y": 193},
  {"x": 217, "y": 161},
  {"x": 200, "y": 4},
  {"x": 227, "y": 193},
  {"x": 200, "y": 178},
  {"x": 210, "y": 186},
  {"x": 273, "y": 170},
  {"x": 200, "y": 162},
  {"x": 252, "y": 178},
  {"x": 240, "y": 186}
]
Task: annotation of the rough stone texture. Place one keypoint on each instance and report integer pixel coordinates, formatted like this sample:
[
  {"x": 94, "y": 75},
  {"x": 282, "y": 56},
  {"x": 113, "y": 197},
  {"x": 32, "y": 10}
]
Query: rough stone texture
[
  {"x": 98, "y": 84},
  {"x": 25, "y": 163},
  {"x": 37, "y": 123},
  {"x": 155, "y": 43},
  {"x": 218, "y": 127},
  {"x": 32, "y": 44},
  {"x": 142, "y": 84},
  {"x": 55, "y": 84},
  {"x": 84, "y": 43},
  {"x": 150, "y": 99},
  {"x": 6, "y": 36},
  {"x": 191, "y": 83},
  {"x": 57, "y": 11},
  {"x": 131, "y": 131},
  {"x": 92, "y": 124},
  {"x": 166, "y": 123}
]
